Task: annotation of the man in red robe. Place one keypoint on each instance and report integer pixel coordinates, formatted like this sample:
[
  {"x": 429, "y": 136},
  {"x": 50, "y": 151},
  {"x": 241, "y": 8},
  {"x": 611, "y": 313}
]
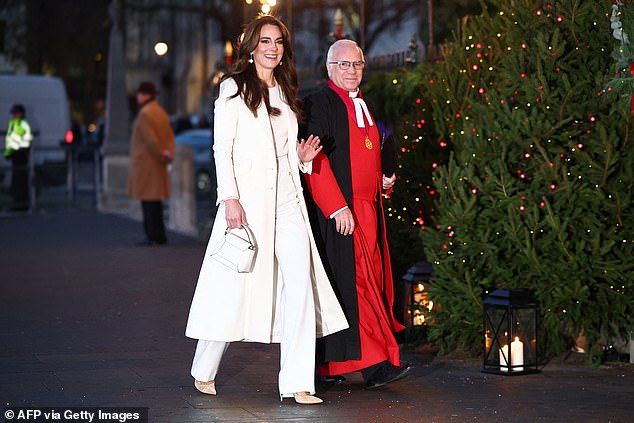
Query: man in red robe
[{"x": 349, "y": 224}]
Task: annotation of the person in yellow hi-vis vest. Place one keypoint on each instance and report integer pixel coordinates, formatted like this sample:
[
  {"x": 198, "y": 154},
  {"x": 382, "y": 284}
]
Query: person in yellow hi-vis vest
[{"x": 17, "y": 147}]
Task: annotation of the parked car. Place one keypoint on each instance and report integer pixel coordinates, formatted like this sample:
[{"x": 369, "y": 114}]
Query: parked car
[
  {"x": 201, "y": 142},
  {"x": 186, "y": 122}
]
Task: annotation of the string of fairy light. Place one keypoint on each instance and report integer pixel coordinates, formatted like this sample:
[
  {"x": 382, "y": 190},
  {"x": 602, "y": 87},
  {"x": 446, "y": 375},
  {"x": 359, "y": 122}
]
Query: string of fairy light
[{"x": 480, "y": 68}]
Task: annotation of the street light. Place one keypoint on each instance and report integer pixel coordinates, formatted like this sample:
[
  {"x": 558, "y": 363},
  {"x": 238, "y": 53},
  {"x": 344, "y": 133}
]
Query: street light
[
  {"x": 166, "y": 66},
  {"x": 160, "y": 48}
]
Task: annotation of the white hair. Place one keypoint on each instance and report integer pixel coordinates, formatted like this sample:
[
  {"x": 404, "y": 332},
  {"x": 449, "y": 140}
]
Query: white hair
[{"x": 340, "y": 43}]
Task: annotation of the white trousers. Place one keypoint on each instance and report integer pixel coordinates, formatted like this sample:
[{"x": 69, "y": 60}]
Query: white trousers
[{"x": 297, "y": 306}]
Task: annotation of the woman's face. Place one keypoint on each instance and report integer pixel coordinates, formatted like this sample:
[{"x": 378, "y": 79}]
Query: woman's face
[{"x": 268, "y": 54}]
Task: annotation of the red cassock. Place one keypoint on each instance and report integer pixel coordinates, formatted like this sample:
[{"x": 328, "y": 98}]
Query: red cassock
[{"x": 374, "y": 290}]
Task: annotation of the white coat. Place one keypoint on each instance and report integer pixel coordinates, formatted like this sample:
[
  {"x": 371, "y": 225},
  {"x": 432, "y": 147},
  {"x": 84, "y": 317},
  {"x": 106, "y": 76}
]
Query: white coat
[{"x": 230, "y": 306}]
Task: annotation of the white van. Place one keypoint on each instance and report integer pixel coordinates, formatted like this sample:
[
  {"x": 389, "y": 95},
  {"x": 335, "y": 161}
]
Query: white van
[{"x": 46, "y": 104}]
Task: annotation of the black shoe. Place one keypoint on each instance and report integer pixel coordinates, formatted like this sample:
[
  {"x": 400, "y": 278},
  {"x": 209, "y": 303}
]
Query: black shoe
[
  {"x": 335, "y": 379},
  {"x": 388, "y": 374}
]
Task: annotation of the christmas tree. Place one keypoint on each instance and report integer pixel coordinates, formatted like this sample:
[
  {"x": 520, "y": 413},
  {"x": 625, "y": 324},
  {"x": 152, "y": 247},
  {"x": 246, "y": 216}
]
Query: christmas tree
[{"x": 531, "y": 184}]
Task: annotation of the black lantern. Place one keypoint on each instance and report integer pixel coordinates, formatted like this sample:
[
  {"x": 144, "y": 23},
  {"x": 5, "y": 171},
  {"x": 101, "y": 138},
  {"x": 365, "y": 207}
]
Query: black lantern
[
  {"x": 510, "y": 335},
  {"x": 416, "y": 296}
]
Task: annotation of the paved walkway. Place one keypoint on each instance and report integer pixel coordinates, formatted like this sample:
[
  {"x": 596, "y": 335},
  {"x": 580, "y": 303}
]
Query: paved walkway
[{"x": 89, "y": 319}]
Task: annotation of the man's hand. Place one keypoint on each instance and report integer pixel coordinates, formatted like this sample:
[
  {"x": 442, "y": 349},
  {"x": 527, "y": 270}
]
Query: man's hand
[
  {"x": 344, "y": 221},
  {"x": 307, "y": 150},
  {"x": 389, "y": 182}
]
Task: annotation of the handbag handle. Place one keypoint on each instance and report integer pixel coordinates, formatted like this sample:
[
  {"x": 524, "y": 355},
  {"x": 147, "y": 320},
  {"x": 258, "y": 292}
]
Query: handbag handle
[{"x": 247, "y": 231}]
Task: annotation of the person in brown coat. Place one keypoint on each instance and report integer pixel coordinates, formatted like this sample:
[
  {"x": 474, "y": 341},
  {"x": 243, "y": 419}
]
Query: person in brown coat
[{"x": 151, "y": 151}]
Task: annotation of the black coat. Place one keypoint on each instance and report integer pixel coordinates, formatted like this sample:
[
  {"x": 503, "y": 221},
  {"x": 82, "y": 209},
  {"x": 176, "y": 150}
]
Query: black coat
[{"x": 326, "y": 116}]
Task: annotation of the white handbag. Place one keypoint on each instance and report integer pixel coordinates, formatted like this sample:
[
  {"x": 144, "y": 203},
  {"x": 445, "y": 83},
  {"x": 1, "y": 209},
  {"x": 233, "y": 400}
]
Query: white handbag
[{"x": 235, "y": 251}]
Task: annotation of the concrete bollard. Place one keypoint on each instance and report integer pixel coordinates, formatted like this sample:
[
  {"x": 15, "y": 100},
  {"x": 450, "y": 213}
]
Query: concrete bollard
[{"x": 182, "y": 202}]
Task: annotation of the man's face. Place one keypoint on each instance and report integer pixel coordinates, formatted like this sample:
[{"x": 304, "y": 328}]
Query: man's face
[
  {"x": 142, "y": 97},
  {"x": 346, "y": 79}
]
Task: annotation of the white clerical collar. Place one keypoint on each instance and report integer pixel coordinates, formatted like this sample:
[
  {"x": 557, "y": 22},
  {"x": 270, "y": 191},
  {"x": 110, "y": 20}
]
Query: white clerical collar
[{"x": 360, "y": 109}]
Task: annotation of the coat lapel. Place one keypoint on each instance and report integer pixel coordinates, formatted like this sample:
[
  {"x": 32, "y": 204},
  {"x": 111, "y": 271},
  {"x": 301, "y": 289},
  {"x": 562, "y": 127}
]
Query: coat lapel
[{"x": 264, "y": 124}]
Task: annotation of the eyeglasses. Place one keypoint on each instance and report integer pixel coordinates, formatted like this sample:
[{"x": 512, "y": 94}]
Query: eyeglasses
[{"x": 345, "y": 65}]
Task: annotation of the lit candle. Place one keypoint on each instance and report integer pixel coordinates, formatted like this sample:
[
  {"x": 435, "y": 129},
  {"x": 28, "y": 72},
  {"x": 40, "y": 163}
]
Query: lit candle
[
  {"x": 517, "y": 355},
  {"x": 504, "y": 356},
  {"x": 487, "y": 342}
]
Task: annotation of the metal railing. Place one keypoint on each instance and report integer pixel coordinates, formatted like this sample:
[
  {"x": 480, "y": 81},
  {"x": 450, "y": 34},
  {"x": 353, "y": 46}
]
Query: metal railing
[
  {"x": 398, "y": 59},
  {"x": 55, "y": 183}
]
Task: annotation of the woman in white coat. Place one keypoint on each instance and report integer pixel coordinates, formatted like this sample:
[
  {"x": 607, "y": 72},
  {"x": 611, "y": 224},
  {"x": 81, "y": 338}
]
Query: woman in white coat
[{"x": 287, "y": 298}]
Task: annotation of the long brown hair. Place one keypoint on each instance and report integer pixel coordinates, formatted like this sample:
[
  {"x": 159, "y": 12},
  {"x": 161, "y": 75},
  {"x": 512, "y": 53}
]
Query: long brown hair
[{"x": 252, "y": 89}]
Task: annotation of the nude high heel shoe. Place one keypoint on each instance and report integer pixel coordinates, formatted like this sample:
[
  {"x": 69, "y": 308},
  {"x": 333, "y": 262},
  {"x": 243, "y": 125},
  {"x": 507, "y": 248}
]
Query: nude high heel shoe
[
  {"x": 208, "y": 388},
  {"x": 306, "y": 399}
]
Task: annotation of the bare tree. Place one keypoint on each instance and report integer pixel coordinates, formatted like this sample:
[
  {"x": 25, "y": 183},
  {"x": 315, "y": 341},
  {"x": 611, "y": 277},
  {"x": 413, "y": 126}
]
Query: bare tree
[{"x": 366, "y": 18}]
